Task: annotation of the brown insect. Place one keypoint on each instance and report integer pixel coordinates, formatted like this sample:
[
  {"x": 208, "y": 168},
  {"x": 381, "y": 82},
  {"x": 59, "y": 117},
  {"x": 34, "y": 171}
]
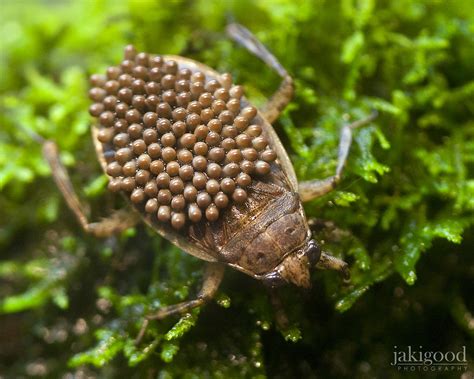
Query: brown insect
[{"x": 204, "y": 168}]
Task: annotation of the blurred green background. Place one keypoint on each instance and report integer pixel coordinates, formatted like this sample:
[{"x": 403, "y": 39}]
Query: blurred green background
[{"x": 71, "y": 305}]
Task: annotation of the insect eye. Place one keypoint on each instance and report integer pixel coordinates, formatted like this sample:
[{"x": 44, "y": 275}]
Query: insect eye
[
  {"x": 273, "y": 280},
  {"x": 313, "y": 253}
]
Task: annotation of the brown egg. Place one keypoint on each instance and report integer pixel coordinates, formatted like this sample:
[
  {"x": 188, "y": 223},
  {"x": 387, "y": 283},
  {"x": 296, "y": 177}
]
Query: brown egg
[
  {"x": 125, "y": 80},
  {"x": 130, "y": 52},
  {"x": 140, "y": 72},
  {"x": 163, "y": 110},
  {"x": 97, "y": 94},
  {"x": 216, "y": 154},
  {"x": 215, "y": 125},
  {"x": 105, "y": 135},
  {"x": 169, "y": 97},
  {"x": 228, "y": 185},
  {"x": 130, "y": 168},
  {"x": 259, "y": 143},
  {"x": 125, "y": 95},
  {"x": 190, "y": 193},
  {"x": 243, "y": 141},
  {"x": 201, "y": 132},
  {"x": 144, "y": 161},
  {"x": 212, "y": 186},
  {"x": 137, "y": 195},
  {"x": 133, "y": 116},
  {"x": 156, "y": 167},
  {"x": 247, "y": 167},
  {"x": 203, "y": 199},
  {"x": 172, "y": 168},
  {"x": 212, "y": 213},
  {"x": 139, "y": 146},
  {"x": 152, "y": 88},
  {"x": 198, "y": 76},
  {"x": 268, "y": 155},
  {"x": 151, "y": 190},
  {"x": 214, "y": 170},
  {"x": 226, "y": 117},
  {"x": 213, "y": 139},
  {"x": 192, "y": 121},
  {"x": 168, "y": 154},
  {"x": 138, "y": 87},
  {"x": 183, "y": 99},
  {"x": 164, "y": 213},
  {"x": 221, "y": 94},
  {"x": 150, "y": 119},
  {"x": 135, "y": 130},
  {"x": 187, "y": 140},
  {"x": 249, "y": 112},
  {"x": 155, "y": 74},
  {"x": 121, "y": 110},
  {"x": 151, "y": 206},
  {"x": 123, "y": 155},
  {"x": 206, "y": 115},
  {"x": 200, "y": 148},
  {"x": 128, "y": 184},
  {"x": 236, "y": 92},
  {"x": 178, "y": 128},
  {"x": 155, "y": 61},
  {"x": 221, "y": 200},
  {"x": 239, "y": 196},
  {"x": 163, "y": 125},
  {"x": 96, "y": 109},
  {"x": 253, "y": 130},
  {"x": 115, "y": 185},
  {"x": 243, "y": 179},
  {"x": 163, "y": 180},
  {"x": 150, "y": 136},
  {"x": 226, "y": 80},
  {"x": 231, "y": 170},
  {"x": 142, "y": 177},
  {"x": 168, "y": 139},
  {"x": 194, "y": 107},
  {"x": 178, "y": 220},
  {"x": 199, "y": 163},
  {"x": 178, "y": 203},
  {"x": 111, "y": 87},
  {"x": 186, "y": 172},
  {"x": 107, "y": 118},
  {"x": 262, "y": 168},
  {"x": 176, "y": 185},
  {"x": 121, "y": 126},
  {"x": 154, "y": 151},
  {"x": 194, "y": 213},
  {"x": 97, "y": 80},
  {"x": 199, "y": 180},
  {"x": 185, "y": 156},
  {"x": 164, "y": 196},
  {"x": 114, "y": 169},
  {"x": 233, "y": 105}
]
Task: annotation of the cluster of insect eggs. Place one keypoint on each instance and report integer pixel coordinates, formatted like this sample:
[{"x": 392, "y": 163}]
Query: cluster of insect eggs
[{"x": 182, "y": 145}]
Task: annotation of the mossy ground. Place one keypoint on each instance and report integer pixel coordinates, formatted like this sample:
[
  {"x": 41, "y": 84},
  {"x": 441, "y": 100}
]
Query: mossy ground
[{"x": 71, "y": 304}]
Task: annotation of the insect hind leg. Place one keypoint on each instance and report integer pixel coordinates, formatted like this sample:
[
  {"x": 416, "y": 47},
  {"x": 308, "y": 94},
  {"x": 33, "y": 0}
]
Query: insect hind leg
[
  {"x": 280, "y": 99},
  {"x": 212, "y": 280},
  {"x": 313, "y": 189}
]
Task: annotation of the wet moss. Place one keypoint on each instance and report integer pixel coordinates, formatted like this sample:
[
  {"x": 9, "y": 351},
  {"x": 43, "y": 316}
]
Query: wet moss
[{"x": 402, "y": 217}]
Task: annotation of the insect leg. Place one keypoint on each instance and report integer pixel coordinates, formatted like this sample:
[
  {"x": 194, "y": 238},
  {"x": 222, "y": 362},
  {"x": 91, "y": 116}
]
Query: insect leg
[
  {"x": 312, "y": 189},
  {"x": 281, "y": 318},
  {"x": 280, "y": 99},
  {"x": 118, "y": 221},
  {"x": 212, "y": 280},
  {"x": 328, "y": 262}
]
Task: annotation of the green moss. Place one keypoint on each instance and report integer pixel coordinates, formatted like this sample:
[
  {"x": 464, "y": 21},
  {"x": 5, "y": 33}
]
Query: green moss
[{"x": 402, "y": 216}]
